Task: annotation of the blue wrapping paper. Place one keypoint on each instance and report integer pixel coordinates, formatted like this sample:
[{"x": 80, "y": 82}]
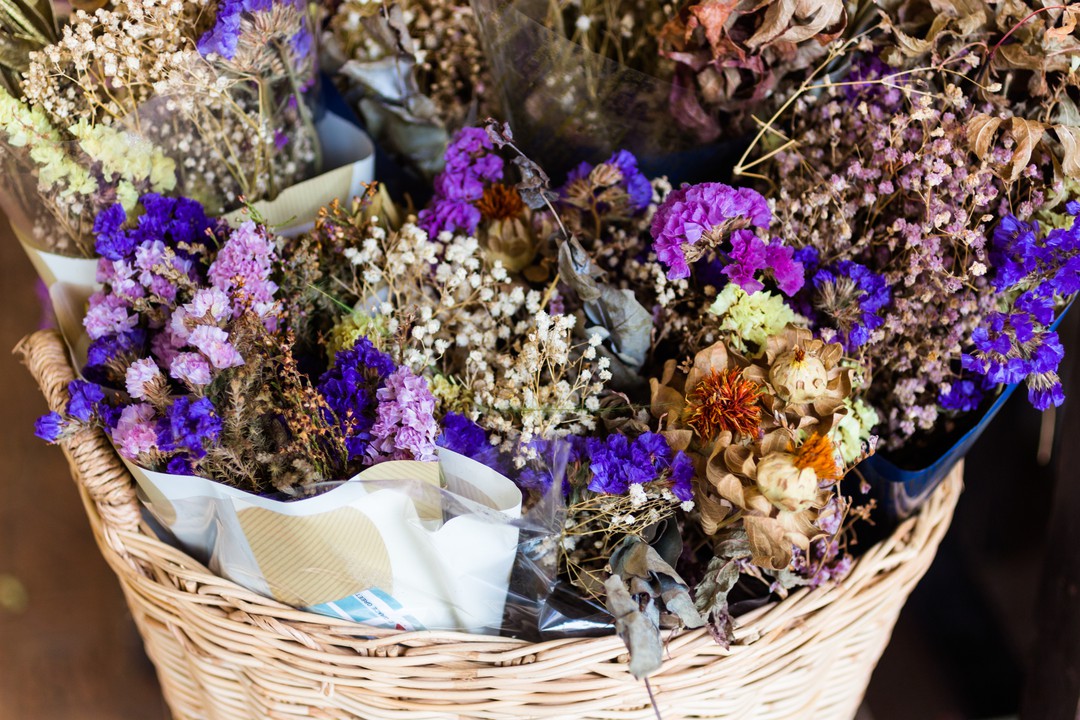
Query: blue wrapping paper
[{"x": 899, "y": 492}]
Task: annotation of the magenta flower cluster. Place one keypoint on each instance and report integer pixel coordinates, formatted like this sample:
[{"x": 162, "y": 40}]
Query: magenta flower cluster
[{"x": 713, "y": 221}]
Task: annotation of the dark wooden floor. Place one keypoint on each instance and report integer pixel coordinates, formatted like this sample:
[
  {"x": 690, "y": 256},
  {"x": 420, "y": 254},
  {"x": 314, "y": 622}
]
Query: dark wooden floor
[{"x": 69, "y": 651}]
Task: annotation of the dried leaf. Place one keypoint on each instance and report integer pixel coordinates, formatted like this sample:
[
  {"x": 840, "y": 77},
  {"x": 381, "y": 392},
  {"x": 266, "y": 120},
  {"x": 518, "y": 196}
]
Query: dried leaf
[
  {"x": 639, "y": 633},
  {"x": 1027, "y": 134},
  {"x": 712, "y": 598},
  {"x": 712, "y": 15},
  {"x": 981, "y": 132},
  {"x": 1068, "y": 24},
  {"x": 534, "y": 184},
  {"x": 628, "y": 323},
  {"x": 1069, "y": 137},
  {"x": 770, "y": 548}
]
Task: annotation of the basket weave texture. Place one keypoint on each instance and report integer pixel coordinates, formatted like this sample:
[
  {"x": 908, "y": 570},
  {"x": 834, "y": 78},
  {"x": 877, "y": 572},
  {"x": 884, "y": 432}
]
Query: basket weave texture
[{"x": 225, "y": 653}]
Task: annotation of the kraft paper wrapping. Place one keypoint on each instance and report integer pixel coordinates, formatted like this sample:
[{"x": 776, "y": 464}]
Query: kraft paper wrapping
[{"x": 403, "y": 544}]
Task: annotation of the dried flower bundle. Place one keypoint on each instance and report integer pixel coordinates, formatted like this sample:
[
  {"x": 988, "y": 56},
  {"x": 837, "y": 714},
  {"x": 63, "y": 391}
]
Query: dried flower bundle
[{"x": 208, "y": 100}]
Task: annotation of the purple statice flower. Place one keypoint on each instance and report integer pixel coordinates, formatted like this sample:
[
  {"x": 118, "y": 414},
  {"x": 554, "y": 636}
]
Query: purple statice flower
[
  {"x": 142, "y": 376},
  {"x": 113, "y": 351},
  {"x": 549, "y": 460},
  {"x": 694, "y": 221},
  {"x": 50, "y": 427},
  {"x": 84, "y": 400},
  {"x": 682, "y": 477},
  {"x": 242, "y": 269},
  {"x": 111, "y": 242},
  {"x": 962, "y": 396},
  {"x": 224, "y": 38},
  {"x": 852, "y": 298},
  {"x": 190, "y": 426},
  {"x": 405, "y": 427},
  {"x": 213, "y": 343},
  {"x": 471, "y": 163},
  {"x": 616, "y": 463},
  {"x": 349, "y": 390},
  {"x": 463, "y": 436},
  {"x": 191, "y": 369},
  {"x": 637, "y": 186},
  {"x": 135, "y": 433},
  {"x": 995, "y": 354}
]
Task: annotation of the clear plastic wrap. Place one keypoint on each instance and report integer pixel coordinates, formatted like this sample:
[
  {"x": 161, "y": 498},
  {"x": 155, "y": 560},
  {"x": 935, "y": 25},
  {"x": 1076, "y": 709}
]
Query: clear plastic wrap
[
  {"x": 404, "y": 544},
  {"x": 565, "y": 103}
]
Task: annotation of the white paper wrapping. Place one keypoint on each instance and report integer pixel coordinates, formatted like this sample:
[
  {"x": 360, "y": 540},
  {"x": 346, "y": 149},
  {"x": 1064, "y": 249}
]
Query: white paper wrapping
[{"x": 403, "y": 544}]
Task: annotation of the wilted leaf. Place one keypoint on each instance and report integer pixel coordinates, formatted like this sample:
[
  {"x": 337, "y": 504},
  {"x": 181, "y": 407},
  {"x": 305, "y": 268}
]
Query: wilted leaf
[
  {"x": 1068, "y": 24},
  {"x": 713, "y": 15},
  {"x": 533, "y": 186},
  {"x": 1027, "y": 134},
  {"x": 980, "y": 133},
  {"x": 628, "y": 323},
  {"x": 769, "y": 545},
  {"x": 712, "y": 598},
  {"x": 1070, "y": 143},
  {"x": 639, "y": 633}
]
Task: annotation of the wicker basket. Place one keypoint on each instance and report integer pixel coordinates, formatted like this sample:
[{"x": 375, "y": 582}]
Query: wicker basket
[{"x": 223, "y": 652}]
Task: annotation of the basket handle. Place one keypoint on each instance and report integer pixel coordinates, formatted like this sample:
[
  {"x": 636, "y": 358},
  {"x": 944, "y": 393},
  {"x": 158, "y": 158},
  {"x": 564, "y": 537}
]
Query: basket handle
[{"x": 95, "y": 466}]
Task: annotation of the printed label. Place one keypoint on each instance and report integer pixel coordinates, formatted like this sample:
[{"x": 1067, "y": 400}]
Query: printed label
[{"x": 371, "y": 607}]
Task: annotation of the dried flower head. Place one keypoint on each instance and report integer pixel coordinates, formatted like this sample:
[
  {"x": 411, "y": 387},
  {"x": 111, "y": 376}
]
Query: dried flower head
[{"x": 723, "y": 401}]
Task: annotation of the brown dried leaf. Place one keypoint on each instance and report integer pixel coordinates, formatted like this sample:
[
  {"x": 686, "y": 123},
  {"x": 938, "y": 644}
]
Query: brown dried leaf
[
  {"x": 1027, "y": 134},
  {"x": 1070, "y": 143},
  {"x": 712, "y": 15},
  {"x": 1068, "y": 24},
  {"x": 980, "y": 133},
  {"x": 769, "y": 545},
  {"x": 665, "y": 401}
]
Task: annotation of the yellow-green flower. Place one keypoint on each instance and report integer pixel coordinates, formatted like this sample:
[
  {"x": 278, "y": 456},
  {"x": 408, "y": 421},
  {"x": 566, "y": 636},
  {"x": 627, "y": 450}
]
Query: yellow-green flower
[{"x": 751, "y": 318}]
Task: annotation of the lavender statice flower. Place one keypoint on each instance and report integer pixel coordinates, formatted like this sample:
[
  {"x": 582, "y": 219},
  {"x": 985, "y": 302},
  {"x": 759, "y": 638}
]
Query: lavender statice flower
[
  {"x": 710, "y": 221},
  {"x": 213, "y": 343},
  {"x": 471, "y": 163},
  {"x": 463, "y": 436},
  {"x": 135, "y": 433},
  {"x": 242, "y": 269},
  {"x": 143, "y": 376},
  {"x": 349, "y": 390},
  {"x": 190, "y": 426},
  {"x": 108, "y": 314},
  {"x": 405, "y": 427},
  {"x": 192, "y": 369}
]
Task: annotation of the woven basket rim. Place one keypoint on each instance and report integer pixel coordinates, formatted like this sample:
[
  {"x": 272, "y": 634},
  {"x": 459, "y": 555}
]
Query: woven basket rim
[{"x": 135, "y": 553}]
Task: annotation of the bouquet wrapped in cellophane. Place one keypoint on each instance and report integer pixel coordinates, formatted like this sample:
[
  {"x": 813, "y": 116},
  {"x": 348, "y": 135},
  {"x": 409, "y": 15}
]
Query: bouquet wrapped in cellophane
[{"x": 209, "y": 101}]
